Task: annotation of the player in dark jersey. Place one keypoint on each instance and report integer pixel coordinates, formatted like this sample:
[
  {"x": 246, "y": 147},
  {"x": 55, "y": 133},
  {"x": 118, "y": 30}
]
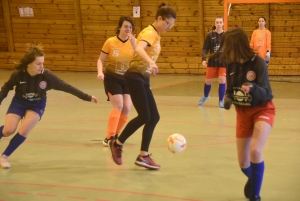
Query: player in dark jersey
[
  {"x": 137, "y": 80},
  {"x": 31, "y": 81},
  {"x": 248, "y": 88},
  {"x": 214, "y": 68},
  {"x": 120, "y": 51}
]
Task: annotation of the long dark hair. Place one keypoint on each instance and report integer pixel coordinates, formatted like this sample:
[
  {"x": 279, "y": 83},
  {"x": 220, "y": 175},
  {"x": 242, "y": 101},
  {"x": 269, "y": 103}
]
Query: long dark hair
[
  {"x": 32, "y": 52},
  {"x": 165, "y": 11},
  {"x": 235, "y": 46},
  {"x": 120, "y": 23}
]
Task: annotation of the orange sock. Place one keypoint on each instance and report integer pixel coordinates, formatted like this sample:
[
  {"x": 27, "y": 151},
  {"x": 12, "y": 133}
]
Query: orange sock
[
  {"x": 122, "y": 121},
  {"x": 113, "y": 121}
]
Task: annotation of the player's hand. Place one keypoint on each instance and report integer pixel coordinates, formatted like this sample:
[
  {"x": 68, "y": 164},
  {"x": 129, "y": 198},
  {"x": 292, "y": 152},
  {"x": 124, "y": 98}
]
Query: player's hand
[
  {"x": 268, "y": 56},
  {"x": 246, "y": 87},
  {"x": 153, "y": 68},
  {"x": 204, "y": 64},
  {"x": 94, "y": 99},
  {"x": 227, "y": 102},
  {"x": 100, "y": 76},
  {"x": 131, "y": 38}
]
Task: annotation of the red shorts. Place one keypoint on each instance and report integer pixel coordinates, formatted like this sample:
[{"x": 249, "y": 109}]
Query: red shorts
[
  {"x": 247, "y": 116},
  {"x": 214, "y": 72}
]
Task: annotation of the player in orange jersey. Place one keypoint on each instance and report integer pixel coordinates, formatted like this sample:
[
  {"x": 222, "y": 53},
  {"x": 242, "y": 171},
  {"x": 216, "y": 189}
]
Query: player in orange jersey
[
  {"x": 261, "y": 40},
  {"x": 119, "y": 50},
  {"x": 137, "y": 79}
]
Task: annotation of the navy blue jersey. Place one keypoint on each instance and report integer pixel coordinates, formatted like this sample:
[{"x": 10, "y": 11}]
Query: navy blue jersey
[
  {"x": 211, "y": 44},
  {"x": 34, "y": 88},
  {"x": 254, "y": 72}
]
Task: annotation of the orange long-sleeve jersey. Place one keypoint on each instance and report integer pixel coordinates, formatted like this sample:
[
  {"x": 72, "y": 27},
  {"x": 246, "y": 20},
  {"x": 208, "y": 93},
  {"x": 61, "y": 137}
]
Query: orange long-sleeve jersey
[{"x": 261, "y": 42}]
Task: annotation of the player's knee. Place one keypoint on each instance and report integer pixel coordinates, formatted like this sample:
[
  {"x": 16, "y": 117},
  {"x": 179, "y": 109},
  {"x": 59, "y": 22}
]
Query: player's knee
[
  {"x": 208, "y": 81},
  {"x": 255, "y": 154},
  {"x": 8, "y": 131}
]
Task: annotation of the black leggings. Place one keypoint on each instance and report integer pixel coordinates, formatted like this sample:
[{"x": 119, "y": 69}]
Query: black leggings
[{"x": 145, "y": 105}]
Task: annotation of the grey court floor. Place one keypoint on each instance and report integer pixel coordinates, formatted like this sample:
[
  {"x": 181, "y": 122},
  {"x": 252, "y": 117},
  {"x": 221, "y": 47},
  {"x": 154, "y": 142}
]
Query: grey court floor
[{"x": 63, "y": 159}]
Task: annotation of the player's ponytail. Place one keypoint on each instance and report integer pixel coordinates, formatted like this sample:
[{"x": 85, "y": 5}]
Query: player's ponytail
[{"x": 32, "y": 51}]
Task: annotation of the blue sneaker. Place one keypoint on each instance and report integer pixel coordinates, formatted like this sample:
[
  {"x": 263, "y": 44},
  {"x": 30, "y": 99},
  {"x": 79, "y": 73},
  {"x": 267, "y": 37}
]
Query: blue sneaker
[
  {"x": 202, "y": 100},
  {"x": 221, "y": 104}
]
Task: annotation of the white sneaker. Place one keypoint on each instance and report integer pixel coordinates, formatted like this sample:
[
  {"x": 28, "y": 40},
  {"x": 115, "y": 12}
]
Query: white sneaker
[{"x": 4, "y": 163}]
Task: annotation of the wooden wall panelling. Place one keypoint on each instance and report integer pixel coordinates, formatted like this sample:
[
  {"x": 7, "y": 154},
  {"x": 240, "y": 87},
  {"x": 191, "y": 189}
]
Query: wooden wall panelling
[
  {"x": 3, "y": 39},
  {"x": 53, "y": 24},
  {"x": 99, "y": 20},
  {"x": 78, "y": 26},
  {"x": 7, "y": 23},
  {"x": 182, "y": 41}
]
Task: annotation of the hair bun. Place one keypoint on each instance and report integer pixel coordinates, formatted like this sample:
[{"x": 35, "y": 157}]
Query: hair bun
[{"x": 162, "y": 4}]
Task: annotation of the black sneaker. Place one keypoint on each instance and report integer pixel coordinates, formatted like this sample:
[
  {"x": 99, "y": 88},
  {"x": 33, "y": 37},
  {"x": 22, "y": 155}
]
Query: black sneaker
[
  {"x": 105, "y": 141},
  {"x": 247, "y": 189}
]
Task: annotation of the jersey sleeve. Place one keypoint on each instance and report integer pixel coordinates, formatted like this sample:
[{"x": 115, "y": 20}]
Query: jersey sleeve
[
  {"x": 106, "y": 47},
  {"x": 9, "y": 85},
  {"x": 58, "y": 84},
  {"x": 261, "y": 90},
  {"x": 206, "y": 47},
  {"x": 148, "y": 36}
]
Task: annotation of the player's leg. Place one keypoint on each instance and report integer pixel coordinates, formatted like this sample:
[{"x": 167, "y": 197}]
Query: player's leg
[
  {"x": 144, "y": 159},
  {"x": 210, "y": 74},
  {"x": 127, "y": 104},
  {"x": 264, "y": 120},
  {"x": 113, "y": 90},
  {"x": 140, "y": 102},
  {"x": 114, "y": 117},
  {"x": 222, "y": 85},
  {"x": 244, "y": 131},
  {"x": 31, "y": 118}
]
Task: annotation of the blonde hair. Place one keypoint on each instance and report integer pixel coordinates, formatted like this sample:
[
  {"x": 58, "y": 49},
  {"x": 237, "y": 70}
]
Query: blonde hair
[{"x": 32, "y": 52}]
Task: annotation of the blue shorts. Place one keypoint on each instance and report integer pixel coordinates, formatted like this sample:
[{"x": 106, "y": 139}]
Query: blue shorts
[{"x": 19, "y": 106}]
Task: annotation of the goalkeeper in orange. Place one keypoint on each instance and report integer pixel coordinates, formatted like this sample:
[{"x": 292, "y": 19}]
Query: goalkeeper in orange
[{"x": 261, "y": 40}]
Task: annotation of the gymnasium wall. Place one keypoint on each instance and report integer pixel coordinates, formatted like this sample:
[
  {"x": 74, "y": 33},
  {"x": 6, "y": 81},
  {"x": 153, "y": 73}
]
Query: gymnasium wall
[{"x": 73, "y": 32}]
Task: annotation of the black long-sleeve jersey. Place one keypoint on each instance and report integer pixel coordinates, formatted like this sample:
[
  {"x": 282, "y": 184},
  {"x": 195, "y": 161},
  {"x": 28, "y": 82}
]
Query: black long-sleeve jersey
[
  {"x": 211, "y": 44},
  {"x": 252, "y": 72},
  {"x": 34, "y": 88}
]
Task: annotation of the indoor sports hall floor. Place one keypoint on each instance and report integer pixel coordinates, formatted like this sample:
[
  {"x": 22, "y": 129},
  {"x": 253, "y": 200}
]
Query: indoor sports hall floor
[{"x": 63, "y": 159}]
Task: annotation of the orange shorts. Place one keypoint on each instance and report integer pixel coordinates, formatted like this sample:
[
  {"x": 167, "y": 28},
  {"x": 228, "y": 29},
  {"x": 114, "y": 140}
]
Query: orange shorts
[
  {"x": 247, "y": 116},
  {"x": 214, "y": 72}
]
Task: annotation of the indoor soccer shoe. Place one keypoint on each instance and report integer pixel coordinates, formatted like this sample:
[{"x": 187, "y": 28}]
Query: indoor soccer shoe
[
  {"x": 146, "y": 162},
  {"x": 116, "y": 152},
  {"x": 105, "y": 141},
  {"x": 4, "y": 163},
  {"x": 247, "y": 189},
  {"x": 202, "y": 100},
  {"x": 221, "y": 104}
]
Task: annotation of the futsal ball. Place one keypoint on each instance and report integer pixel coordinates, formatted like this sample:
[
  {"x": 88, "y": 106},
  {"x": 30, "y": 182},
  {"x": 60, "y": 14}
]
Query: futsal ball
[{"x": 176, "y": 143}]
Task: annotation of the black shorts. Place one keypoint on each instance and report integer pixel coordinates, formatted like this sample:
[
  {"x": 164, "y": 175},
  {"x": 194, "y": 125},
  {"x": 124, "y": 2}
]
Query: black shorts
[
  {"x": 114, "y": 86},
  {"x": 19, "y": 106}
]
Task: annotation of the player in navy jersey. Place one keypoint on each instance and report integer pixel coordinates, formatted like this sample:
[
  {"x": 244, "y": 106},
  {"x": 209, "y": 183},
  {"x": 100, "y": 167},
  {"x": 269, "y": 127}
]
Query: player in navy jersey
[
  {"x": 248, "y": 88},
  {"x": 31, "y": 81},
  {"x": 214, "y": 68}
]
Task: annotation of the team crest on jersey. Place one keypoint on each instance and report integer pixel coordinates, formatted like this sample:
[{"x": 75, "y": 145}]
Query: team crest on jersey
[
  {"x": 43, "y": 85},
  {"x": 251, "y": 76}
]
